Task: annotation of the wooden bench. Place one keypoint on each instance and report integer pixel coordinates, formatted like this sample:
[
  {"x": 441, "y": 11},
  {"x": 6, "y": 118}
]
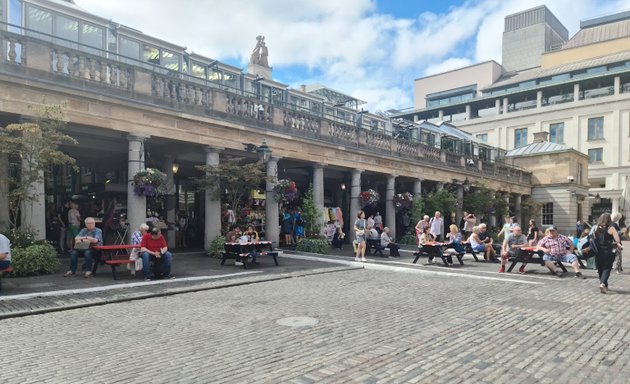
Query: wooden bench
[
  {"x": 448, "y": 256},
  {"x": 374, "y": 244},
  {"x": 241, "y": 252},
  {"x": 3, "y": 271},
  {"x": 532, "y": 256},
  {"x": 117, "y": 255},
  {"x": 470, "y": 250}
]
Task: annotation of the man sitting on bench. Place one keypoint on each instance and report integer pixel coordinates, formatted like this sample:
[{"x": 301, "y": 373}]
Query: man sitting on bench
[
  {"x": 554, "y": 247},
  {"x": 512, "y": 248},
  {"x": 83, "y": 242},
  {"x": 5, "y": 252},
  {"x": 387, "y": 242},
  {"x": 154, "y": 245}
]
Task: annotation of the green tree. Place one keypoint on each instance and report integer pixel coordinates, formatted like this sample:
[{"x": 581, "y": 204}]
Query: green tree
[
  {"x": 530, "y": 209},
  {"x": 311, "y": 214},
  {"x": 485, "y": 201},
  {"x": 417, "y": 210},
  {"x": 234, "y": 177},
  {"x": 31, "y": 149},
  {"x": 444, "y": 201}
]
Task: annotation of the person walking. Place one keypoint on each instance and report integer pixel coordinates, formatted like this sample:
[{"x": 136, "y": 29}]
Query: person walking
[
  {"x": 359, "y": 229},
  {"x": 616, "y": 217},
  {"x": 606, "y": 238}
]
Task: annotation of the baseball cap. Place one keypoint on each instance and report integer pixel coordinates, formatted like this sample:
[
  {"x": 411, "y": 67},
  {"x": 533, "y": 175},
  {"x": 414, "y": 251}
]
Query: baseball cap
[{"x": 552, "y": 228}]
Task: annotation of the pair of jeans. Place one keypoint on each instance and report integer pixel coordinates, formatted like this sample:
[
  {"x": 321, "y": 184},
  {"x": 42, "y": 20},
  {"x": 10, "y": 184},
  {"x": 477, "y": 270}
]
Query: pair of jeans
[
  {"x": 167, "y": 260},
  {"x": 87, "y": 254},
  {"x": 4, "y": 264},
  {"x": 604, "y": 260}
]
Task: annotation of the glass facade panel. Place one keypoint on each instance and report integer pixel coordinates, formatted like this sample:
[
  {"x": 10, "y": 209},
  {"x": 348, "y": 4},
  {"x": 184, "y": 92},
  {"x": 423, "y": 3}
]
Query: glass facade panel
[
  {"x": 128, "y": 48},
  {"x": 66, "y": 28},
  {"x": 197, "y": 69},
  {"x": 215, "y": 75},
  {"x": 595, "y": 155},
  {"x": 596, "y": 128},
  {"x": 151, "y": 55},
  {"x": 483, "y": 137},
  {"x": 92, "y": 35},
  {"x": 15, "y": 15},
  {"x": 556, "y": 133},
  {"x": 547, "y": 214},
  {"x": 230, "y": 79},
  {"x": 40, "y": 21},
  {"x": 520, "y": 137},
  {"x": 170, "y": 60}
]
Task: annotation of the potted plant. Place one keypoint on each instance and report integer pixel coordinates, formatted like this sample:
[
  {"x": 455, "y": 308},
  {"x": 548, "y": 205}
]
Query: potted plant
[
  {"x": 369, "y": 198},
  {"x": 403, "y": 201},
  {"x": 285, "y": 191}
]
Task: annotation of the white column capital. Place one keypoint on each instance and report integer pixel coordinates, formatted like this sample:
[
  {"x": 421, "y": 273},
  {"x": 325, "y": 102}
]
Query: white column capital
[
  {"x": 138, "y": 137},
  {"x": 209, "y": 149}
]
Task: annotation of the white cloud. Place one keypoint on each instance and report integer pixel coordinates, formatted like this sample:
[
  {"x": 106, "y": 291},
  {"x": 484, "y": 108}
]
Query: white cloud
[{"x": 346, "y": 44}]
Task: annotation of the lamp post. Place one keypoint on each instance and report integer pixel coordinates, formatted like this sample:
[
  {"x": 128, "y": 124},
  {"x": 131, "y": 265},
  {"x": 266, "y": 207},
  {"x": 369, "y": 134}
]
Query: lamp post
[
  {"x": 264, "y": 152},
  {"x": 466, "y": 185}
]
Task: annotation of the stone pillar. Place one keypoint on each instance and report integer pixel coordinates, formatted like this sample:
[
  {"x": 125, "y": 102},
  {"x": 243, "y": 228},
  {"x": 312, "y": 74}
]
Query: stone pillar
[
  {"x": 167, "y": 168},
  {"x": 518, "y": 199},
  {"x": 539, "y": 96},
  {"x": 460, "y": 203},
  {"x": 441, "y": 114},
  {"x": 355, "y": 206},
  {"x": 497, "y": 107},
  {"x": 212, "y": 216},
  {"x": 416, "y": 118},
  {"x": 136, "y": 205},
  {"x": 318, "y": 192},
  {"x": 390, "y": 210},
  {"x": 468, "y": 112},
  {"x": 272, "y": 229},
  {"x": 617, "y": 85},
  {"x": 505, "y": 105},
  {"x": 576, "y": 92},
  {"x": 417, "y": 188},
  {"x": 33, "y": 210},
  {"x": 4, "y": 192}
]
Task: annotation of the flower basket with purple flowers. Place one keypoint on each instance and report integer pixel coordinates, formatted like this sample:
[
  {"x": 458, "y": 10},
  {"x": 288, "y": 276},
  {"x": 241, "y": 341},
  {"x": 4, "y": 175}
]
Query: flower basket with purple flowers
[
  {"x": 285, "y": 191},
  {"x": 149, "y": 182},
  {"x": 403, "y": 201}
]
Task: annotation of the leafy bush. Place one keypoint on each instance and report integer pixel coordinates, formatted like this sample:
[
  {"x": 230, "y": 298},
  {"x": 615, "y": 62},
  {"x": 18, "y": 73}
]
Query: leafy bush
[
  {"x": 312, "y": 245},
  {"x": 19, "y": 238},
  {"x": 408, "y": 239},
  {"x": 36, "y": 259},
  {"x": 216, "y": 247}
]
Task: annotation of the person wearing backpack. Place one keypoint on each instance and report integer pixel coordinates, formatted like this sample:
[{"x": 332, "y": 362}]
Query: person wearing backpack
[{"x": 605, "y": 239}]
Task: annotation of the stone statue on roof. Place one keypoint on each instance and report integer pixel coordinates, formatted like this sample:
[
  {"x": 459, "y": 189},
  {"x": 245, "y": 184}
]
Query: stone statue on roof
[{"x": 260, "y": 53}]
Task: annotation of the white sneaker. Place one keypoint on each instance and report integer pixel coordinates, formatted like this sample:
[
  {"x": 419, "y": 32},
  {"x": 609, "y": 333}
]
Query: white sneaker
[
  {"x": 357, "y": 259},
  {"x": 238, "y": 264},
  {"x": 363, "y": 259}
]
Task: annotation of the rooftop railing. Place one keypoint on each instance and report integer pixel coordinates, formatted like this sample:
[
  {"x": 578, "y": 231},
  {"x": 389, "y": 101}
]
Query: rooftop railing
[{"x": 135, "y": 81}]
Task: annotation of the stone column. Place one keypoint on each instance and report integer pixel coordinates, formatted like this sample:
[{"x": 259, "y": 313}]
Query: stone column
[
  {"x": 390, "y": 210},
  {"x": 617, "y": 85},
  {"x": 539, "y": 96},
  {"x": 505, "y": 105},
  {"x": 468, "y": 112},
  {"x": 417, "y": 188},
  {"x": 576, "y": 92},
  {"x": 136, "y": 205},
  {"x": 518, "y": 199},
  {"x": 318, "y": 192},
  {"x": 33, "y": 210},
  {"x": 497, "y": 107},
  {"x": 441, "y": 114},
  {"x": 4, "y": 192},
  {"x": 212, "y": 216},
  {"x": 355, "y": 206},
  {"x": 460, "y": 204},
  {"x": 272, "y": 229},
  {"x": 167, "y": 168}
]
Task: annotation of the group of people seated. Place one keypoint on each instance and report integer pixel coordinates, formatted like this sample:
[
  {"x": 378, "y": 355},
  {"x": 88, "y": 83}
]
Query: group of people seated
[{"x": 152, "y": 249}]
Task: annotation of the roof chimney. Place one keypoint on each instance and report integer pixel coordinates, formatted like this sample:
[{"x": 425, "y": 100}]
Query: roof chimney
[
  {"x": 541, "y": 137},
  {"x": 303, "y": 87}
]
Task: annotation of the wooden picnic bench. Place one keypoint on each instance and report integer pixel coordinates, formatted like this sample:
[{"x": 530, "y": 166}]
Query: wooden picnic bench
[
  {"x": 117, "y": 255},
  {"x": 242, "y": 251},
  {"x": 374, "y": 244},
  {"x": 529, "y": 254},
  {"x": 3, "y": 271},
  {"x": 435, "y": 248}
]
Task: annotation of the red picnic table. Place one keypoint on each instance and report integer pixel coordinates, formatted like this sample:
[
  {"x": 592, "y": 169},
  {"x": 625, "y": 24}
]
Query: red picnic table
[{"x": 117, "y": 255}]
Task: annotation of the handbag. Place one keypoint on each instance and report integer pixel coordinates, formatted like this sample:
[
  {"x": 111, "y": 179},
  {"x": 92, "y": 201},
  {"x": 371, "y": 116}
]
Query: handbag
[{"x": 82, "y": 245}]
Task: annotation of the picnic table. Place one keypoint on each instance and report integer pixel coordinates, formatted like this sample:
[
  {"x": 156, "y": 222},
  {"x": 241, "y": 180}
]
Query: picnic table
[
  {"x": 116, "y": 255},
  {"x": 435, "y": 248},
  {"x": 528, "y": 254},
  {"x": 240, "y": 251}
]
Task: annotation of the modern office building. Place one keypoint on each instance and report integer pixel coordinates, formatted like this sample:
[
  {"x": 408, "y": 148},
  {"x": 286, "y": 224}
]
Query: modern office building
[
  {"x": 578, "y": 92},
  {"x": 133, "y": 101}
]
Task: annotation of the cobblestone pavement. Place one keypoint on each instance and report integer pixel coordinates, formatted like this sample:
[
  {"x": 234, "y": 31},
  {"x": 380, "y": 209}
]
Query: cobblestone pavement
[{"x": 372, "y": 326}]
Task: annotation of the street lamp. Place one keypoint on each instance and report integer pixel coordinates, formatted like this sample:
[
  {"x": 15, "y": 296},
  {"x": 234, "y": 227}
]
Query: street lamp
[
  {"x": 175, "y": 167},
  {"x": 264, "y": 152},
  {"x": 466, "y": 185}
]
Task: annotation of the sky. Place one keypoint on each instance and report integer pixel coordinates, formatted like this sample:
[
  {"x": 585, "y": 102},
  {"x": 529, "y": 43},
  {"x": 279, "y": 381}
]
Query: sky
[{"x": 370, "y": 49}]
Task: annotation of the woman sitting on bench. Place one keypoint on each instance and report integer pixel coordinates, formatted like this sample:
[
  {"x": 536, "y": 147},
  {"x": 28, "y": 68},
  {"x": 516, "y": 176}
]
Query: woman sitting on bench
[
  {"x": 454, "y": 244},
  {"x": 387, "y": 242}
]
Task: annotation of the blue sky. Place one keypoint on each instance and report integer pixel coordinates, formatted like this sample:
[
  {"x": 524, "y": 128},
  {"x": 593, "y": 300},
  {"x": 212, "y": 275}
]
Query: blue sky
[{"x": 370, "y": 49}]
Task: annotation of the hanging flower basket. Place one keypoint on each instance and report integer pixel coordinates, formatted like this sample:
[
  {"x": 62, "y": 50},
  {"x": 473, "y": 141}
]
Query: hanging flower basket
[
  {"x": 149, "y": 183},
  {"x": 369, "y": 198},
  {"x": 403, "y": 201},
  {"x": 285, "y": 191}
]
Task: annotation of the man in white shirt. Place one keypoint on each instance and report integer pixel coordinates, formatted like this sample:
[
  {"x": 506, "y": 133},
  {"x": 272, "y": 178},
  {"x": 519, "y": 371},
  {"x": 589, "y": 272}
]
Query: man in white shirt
[
  {"x": 5, "y": 252},
  {"x": 436, "y": 223}
]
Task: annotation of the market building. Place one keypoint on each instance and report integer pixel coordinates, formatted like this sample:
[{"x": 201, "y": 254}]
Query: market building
[{"x": 133, "y": 101}]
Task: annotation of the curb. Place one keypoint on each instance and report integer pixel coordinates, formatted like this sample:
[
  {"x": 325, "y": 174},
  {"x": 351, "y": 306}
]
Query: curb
[{"x": 175, "y": 291}]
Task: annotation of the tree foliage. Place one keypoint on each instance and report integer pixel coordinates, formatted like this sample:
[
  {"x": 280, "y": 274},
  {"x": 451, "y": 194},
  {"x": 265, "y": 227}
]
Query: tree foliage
[
  {"x": 311, "y": 214},
  {"x": 444, "y": 201},
  {"x": 530, "y": 209},
  {"x": 233, "y": 178},
  {"x": 417, "y": 210},
  {"x": 484, "y": 200},
  {"x": 31, "y": 149}
]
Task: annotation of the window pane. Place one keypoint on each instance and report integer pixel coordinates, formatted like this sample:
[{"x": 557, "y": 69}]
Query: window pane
[
  {"x": 15, "y": 15},
  {"x": 170, "y": 60},
  {"x": 92, "y": 36},
  {"x": 151, "y": 55},
  {"x": 40, "y": 21},
  {"x": 67, "y": 29},
  {"x": 556, "y": 133},
  {"x": 214, "y": 75},
  {"x": 129, "y": 48}
]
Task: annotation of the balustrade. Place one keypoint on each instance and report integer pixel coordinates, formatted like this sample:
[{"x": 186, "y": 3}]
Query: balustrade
[
  {"x": 246, "y": 107},
  {"x": 379, "y": 141},
  {"x": 90, "y": 68},
  {"x": 342, "y": 132},
  {"x": 301, "y": 122},
  {"x": 431, "y": 154},
  {"x": 407, "y": 148},
  {"x": 453, "y": 159}
]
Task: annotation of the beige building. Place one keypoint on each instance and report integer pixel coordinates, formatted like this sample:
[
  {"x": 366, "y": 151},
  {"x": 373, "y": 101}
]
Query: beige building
[{"x": 579, "y": 93}]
